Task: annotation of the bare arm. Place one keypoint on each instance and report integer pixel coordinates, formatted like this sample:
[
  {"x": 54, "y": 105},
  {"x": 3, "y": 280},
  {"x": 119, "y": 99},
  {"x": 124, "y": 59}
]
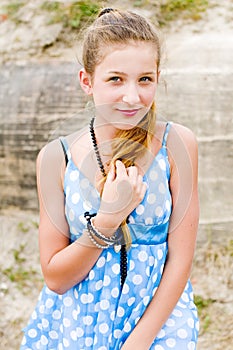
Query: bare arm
[
  {"x": 181, "y": 239},
  {"x": 64, "y": 264}
]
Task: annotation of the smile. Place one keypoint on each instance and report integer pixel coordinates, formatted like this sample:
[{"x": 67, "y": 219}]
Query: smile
[{"x": 128, "y": 112}]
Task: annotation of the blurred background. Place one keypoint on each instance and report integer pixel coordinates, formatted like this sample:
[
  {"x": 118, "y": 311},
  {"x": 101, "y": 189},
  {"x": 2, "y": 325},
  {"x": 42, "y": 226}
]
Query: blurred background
[{"x": 40, "y": 99}]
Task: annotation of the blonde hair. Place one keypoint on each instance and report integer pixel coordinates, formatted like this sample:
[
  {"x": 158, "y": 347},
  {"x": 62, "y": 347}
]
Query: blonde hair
[{"x": 121, "y": 27}]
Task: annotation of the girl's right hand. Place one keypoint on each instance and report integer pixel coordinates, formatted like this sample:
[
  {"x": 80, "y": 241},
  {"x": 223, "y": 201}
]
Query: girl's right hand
[{"x": 123, "y": 190}]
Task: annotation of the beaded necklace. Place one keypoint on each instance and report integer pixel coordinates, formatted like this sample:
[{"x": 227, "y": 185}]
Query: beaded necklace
[{"x": 123, "y": 256}]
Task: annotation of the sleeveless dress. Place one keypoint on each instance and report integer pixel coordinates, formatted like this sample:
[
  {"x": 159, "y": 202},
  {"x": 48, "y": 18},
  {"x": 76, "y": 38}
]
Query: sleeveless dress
[{"x": 96, "y": 314}]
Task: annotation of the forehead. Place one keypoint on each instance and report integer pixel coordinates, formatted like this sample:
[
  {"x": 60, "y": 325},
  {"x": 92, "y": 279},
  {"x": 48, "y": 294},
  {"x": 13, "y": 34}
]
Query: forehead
[{"x": 128, "y": 55}]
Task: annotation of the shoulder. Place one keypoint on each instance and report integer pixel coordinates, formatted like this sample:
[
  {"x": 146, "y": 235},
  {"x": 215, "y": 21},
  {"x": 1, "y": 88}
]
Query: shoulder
[{"x": 182, "y": 137}]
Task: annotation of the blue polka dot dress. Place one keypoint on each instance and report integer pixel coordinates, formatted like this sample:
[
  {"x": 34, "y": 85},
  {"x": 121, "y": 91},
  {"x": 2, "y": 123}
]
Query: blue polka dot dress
[{"x": 96, "y": 314}]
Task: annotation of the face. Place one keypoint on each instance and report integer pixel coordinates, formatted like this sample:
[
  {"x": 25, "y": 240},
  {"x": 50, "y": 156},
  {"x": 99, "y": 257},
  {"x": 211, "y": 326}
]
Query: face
[{"x": 124, "y": 84}]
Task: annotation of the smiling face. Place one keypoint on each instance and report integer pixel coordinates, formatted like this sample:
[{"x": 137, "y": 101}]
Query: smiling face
[{"x": 123, "y": 85}]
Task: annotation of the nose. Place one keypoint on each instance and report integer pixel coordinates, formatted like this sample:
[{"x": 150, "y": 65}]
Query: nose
[{"x": 131, "y": 94}]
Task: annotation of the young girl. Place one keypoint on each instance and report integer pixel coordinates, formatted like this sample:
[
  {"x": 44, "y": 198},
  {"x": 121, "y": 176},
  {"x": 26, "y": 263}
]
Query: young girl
[{"x": 118, "y": 209}]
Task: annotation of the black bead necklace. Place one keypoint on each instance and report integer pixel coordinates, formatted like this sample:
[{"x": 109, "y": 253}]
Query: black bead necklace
[{"x": 123, "y": 257}]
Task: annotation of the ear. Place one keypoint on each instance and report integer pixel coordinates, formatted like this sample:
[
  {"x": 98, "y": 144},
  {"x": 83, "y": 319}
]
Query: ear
[{"x": 85, "y": 81}]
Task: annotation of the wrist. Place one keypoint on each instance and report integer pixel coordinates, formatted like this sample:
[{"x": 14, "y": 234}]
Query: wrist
[{"x": 106, "y": 224}]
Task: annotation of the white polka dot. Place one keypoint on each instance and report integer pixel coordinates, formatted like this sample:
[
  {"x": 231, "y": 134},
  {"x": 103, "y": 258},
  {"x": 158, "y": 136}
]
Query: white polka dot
[
  {"x": 106, "y": 281},
  {"x": 151, "y": 260},
  {"x": 101, "y": 262},
  {"x": 171, "y": 343},
  {"x": 162, "y": 164},
  {"x": 162, "y": 188},
  {"x": 103, "y": 328},
  {"x": 32, "y": 333},
  {"x": 149, "y": 221},
  {"x": 153, "y": 175},
  {"x": 158, "y": 347},
  {"x": 53, "y": 335},
  {"x": 84, "y": 183},
  {"x": 151, "y": 199},
  {"x": 74, "y": 175},
  {"x": 127, "y": 327},
  {"x": 75, "y": 198},
  {"x": 142, "y": 256},
  {"x": 125, "y": 289},
  {"x": 79, "y": 332},
  {"x": 87, "y": 298},
  {"x": 120, "y": 311},
  {"x": 146, "y": 300},
  {"x": 117, "y": 333},
  {"x": 88, "y": 341},
  {"x": 182, "y": 333},
  {"x": 99, "y": 285},
  {"x": 197, "y": 326},
  {"x": 34, "y": 315},
  {"x": 143, "y": 292},
  {"x": 191, "y": 346},
  {"x": 45, "y": 323},
  {"x": 44, "y": 340},
  {"x": 73, "y": 335},
  {"x": 168, "y": 204},
  {"x": 131, "y": 265},
  {"x": 115, "y": 292},
  {"x": 91, "y": 275},
  {"x": 60, "y": 346},
  {"x": 154, "y": 278},
  {"x": 131, "y": 301},
  {"x": 88, "y": 320},
  {"x": 183, "y": 306},
  {"x": 190, "y": 322},
  {"x": 68, "y": 301},
  {"x": 140, "y": 209},
  {"x": 170, "y": 322},
  {"x": 41, "y": 309},
  {"x": 71, "y": 215},
  {"x": 49, "y": 303},
  {"x": 66, "y": 322},
  {"x": 185, "y": 297},
  {"x": 158, "y": 211},
  {"x": 87, "y": 205},
  {"x": 66, "y": 343},
  {"x": 161, "y": 333},
  {"x": 116, "y": 269},
  {"x": 137, "y": 279},
  {"x": 56, "y": 315},
  {"x": 104, "y": 304},
  {"x": 160, "y": 254},
  {"x": 177, "y": 313}
]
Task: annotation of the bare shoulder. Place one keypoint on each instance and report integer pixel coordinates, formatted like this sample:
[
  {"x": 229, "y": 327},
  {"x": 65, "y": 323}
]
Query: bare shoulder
[{"x": 181, "y": 136}]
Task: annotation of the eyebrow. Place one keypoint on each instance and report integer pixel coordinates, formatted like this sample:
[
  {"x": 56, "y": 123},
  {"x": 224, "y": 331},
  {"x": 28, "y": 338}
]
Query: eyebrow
[{"x": 122, "y": 73}]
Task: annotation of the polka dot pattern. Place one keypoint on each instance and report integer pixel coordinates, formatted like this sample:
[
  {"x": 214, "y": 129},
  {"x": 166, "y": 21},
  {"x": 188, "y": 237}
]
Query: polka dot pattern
[{"x": 96, "y": 313}]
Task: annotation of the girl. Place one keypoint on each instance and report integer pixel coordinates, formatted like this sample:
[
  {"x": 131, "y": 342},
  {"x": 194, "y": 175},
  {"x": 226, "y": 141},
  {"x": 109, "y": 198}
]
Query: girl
[{"x": 118, "y": 209}]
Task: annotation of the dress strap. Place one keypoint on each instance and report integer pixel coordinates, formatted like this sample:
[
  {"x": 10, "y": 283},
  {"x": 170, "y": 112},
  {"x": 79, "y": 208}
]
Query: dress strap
[
  {"x": 166, "y": 132},
  {"x": 64, "y": 147}
]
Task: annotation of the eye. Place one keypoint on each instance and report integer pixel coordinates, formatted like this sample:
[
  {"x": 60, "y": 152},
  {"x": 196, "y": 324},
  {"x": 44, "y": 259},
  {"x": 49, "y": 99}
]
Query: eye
[
  {"x": 146, "y": 79},
  {"x": 115, "y": 79}
]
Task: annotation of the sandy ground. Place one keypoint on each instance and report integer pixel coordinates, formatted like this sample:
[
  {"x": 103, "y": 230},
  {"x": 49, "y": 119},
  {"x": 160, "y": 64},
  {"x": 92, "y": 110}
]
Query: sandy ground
[{"x": 20, "y": 274}]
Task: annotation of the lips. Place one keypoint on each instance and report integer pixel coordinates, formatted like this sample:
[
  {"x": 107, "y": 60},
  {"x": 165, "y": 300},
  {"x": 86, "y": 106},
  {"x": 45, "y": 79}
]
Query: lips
[{"x": 129, "y": 112}]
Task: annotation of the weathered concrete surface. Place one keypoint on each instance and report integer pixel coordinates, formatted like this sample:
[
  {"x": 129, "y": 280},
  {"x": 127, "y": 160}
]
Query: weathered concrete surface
[{"x": 42, "y": 100}]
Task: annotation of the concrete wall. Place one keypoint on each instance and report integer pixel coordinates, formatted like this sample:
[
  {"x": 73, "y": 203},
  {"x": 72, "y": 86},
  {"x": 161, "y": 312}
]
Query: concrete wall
[{"x": 40, "y": 101}]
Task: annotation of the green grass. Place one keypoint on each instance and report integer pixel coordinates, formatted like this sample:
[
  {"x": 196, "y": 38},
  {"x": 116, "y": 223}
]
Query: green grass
[
  {"x": 203, "y": 306},
  {"x": 73, "y": 14},
  {"x": 187, "y": 9},
  {"x": 13, "y": 7}
]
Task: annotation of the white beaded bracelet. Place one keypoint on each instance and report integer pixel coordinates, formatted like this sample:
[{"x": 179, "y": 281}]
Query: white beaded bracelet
[
  {"x": 109, "y": 240},
  {"x": 98, "y": 245}
]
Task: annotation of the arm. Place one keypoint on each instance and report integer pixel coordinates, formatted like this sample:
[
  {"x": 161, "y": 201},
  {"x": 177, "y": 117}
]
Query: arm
[
  {"x": 181, "y": 239},
  {"x": 63, "y": 264}
]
